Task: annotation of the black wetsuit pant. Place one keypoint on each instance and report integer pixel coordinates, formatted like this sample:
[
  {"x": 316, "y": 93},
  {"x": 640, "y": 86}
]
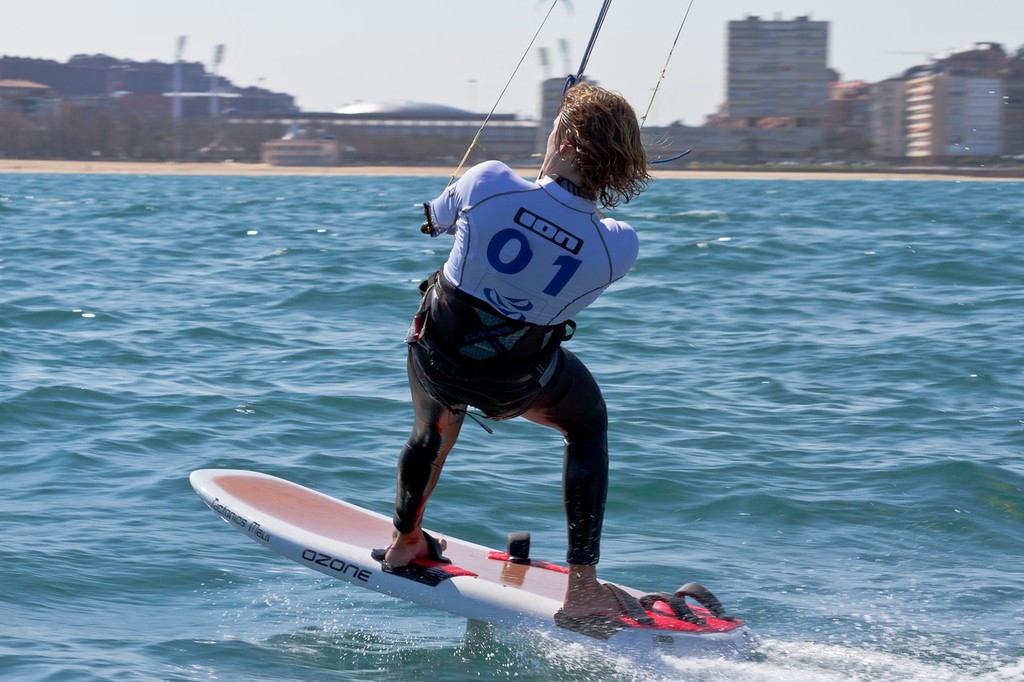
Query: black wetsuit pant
[{"x": 570, "y": 401}]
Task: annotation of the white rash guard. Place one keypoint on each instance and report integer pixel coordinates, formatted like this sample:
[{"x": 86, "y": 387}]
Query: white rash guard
[{"x": 532, "y": 250}]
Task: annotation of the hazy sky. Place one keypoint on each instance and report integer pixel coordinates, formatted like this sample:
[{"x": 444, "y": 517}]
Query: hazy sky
[{"x": 328, "y": 53}]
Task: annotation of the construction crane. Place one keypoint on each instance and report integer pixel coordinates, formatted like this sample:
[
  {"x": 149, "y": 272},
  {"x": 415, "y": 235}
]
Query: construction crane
[
  {"x": 218, "y": 57},
  {"x": 176, "y": 78},
  {"x": 919, "y": 54},
  {"x": 564, "y": 45}
]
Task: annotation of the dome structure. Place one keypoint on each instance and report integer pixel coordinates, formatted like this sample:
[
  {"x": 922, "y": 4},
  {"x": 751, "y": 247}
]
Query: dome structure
[{"x": 403, "y": 108}]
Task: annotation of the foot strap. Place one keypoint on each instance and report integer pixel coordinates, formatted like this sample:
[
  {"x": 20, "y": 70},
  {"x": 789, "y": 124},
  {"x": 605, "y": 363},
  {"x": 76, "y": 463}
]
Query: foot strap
[
  {"x": 645, "y": 612},
  {"x": 434, "y": 549},
  {"x": 433, "y": 553},
  {"x": 602, "y": 626},
  {"x": 431, "y": 570}
]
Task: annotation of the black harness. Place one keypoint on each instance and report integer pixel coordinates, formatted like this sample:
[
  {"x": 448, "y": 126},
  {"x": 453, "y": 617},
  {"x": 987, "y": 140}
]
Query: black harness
[{"x": 467, "y": 352}]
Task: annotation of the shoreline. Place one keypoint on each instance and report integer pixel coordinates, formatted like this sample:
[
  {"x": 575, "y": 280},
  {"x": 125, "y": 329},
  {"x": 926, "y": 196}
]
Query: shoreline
[{"x": 25, "y": 166}]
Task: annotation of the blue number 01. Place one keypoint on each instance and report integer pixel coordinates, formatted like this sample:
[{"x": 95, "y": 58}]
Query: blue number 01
[{"x": 567, "y": 265}]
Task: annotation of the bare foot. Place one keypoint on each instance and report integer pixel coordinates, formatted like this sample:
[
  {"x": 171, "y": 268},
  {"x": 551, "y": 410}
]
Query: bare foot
[
  {"x": 408, "y": 546},
  {"x": 585, "y": 595}
]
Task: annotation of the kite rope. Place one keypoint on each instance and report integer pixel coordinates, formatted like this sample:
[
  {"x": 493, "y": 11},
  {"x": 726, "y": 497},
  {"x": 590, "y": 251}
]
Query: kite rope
[
  {"x": 502, "y": 93},
  {"x": 661, "y": 77},
  {"x": 573, "y": 79}
]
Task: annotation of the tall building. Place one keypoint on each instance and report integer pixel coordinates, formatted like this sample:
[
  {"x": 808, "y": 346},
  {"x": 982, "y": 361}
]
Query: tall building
[
  {"x": 778, "y": 69},
  {"x": 953, "y": 115},
  {"x": 551, "y": 91}
]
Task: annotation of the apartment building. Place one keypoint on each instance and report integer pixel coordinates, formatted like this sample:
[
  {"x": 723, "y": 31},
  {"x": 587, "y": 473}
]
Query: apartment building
[
  {"x": 1013, "y": 105},
  {"x": 778, "y": 69},
  {"x": 952, "y": 115},
  {"x": 888, "y": 119}
]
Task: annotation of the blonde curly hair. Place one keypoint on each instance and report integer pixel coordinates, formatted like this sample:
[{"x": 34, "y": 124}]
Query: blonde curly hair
[{"x": 603, "y": 130}]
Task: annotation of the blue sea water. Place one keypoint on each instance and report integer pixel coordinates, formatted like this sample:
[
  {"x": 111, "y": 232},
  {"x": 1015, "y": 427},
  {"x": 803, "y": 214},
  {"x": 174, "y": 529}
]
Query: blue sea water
[{"x": 815, "y": 390}]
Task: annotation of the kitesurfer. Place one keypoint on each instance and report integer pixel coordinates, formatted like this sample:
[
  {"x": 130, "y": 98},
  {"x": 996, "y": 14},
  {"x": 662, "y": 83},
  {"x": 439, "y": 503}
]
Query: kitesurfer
[{"x": 527, "y": 257}]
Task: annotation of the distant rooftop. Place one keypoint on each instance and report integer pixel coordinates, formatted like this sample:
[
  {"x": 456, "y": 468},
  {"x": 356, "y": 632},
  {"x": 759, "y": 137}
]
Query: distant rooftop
[{"x": 22, "y": 85}]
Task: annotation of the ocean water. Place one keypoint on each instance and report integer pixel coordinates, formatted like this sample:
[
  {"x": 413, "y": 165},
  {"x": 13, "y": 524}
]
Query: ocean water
[{"x": 815, "y": 390}]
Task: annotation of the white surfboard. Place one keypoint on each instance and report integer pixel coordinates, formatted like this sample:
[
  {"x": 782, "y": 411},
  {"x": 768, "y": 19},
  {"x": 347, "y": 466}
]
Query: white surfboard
[{"x": 483, "y": 585}]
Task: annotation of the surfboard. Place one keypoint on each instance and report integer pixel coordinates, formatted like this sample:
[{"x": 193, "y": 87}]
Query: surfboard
[{"x": 501, "y": 588}]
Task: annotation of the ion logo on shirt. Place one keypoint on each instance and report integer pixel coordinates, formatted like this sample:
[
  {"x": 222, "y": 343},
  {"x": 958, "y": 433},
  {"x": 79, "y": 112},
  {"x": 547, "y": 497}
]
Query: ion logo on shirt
[{"x": 547, "y": 229}]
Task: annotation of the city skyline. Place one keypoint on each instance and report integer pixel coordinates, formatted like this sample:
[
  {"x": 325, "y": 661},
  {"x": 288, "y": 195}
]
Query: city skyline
[{"x": 446, "y": 53}]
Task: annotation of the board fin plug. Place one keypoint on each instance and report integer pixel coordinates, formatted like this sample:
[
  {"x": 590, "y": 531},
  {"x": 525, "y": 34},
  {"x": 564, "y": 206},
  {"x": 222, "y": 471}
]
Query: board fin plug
[{"x": 519, "y": 547}]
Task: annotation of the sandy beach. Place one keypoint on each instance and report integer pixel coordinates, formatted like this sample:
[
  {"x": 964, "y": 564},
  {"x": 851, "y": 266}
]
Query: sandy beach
[{"x": 231, "y": 168}]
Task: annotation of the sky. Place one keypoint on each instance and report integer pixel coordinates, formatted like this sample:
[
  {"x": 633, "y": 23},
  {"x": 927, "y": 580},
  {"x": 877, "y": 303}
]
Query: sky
[{"x": 462, "y": 53}]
